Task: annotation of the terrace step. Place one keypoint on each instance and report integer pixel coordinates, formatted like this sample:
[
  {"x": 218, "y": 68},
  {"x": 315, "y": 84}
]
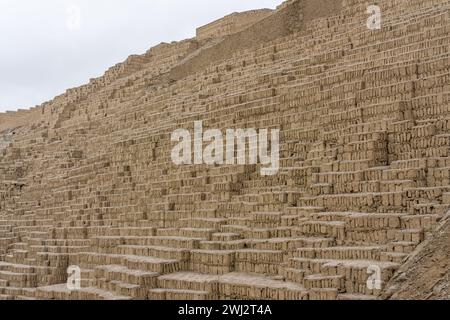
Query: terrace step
[
  {"x": 123, "y": 274},
  {"x": 174, "y": 295},
  {"x": 60, "y": 292}
]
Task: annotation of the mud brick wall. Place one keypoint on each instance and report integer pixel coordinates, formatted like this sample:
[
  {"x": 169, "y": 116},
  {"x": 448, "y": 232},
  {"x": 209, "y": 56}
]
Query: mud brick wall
[
  {"x": 87, "y": 179},
  {"x": 231, "y": 24}
]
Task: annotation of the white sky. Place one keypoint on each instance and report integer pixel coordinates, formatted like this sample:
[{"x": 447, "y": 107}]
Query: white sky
[{"x": 44, "y": 50}]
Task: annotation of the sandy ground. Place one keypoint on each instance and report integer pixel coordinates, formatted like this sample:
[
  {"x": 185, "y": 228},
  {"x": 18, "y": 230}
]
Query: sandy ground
[{"x": 426, "y": 276}]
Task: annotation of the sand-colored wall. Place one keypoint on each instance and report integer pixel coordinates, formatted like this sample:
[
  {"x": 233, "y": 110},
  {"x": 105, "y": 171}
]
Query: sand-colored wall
[
  {"x": 15, "y": 119},
  {"x": 281, "y": 23},
  {"x": 232, "y": 23}
]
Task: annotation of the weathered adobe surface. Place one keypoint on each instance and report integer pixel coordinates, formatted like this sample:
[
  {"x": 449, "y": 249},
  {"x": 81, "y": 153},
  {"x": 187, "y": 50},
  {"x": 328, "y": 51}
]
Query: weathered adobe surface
[
  {"x": 426, "y": 274},
  {"x": 284, "y": 22},
  {"x": 232, "y": 23},
  {"x": 364, "y": 116}
]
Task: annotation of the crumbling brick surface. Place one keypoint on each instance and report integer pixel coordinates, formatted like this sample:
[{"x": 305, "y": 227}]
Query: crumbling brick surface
[
  {"x": 364, "y": 117},
  {"x": 426, "y": 275}
]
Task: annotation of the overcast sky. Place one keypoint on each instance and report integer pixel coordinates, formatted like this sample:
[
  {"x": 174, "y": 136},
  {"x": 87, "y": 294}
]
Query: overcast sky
[{"x": 48, "y": 46}]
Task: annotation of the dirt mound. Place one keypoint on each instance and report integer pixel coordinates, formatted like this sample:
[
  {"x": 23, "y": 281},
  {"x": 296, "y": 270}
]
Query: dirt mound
[{"x": 426, "y": 275}]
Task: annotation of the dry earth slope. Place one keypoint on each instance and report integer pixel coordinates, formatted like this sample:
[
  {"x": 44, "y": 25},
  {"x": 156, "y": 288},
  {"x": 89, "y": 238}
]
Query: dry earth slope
[{"x": 426, "y": 276}]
